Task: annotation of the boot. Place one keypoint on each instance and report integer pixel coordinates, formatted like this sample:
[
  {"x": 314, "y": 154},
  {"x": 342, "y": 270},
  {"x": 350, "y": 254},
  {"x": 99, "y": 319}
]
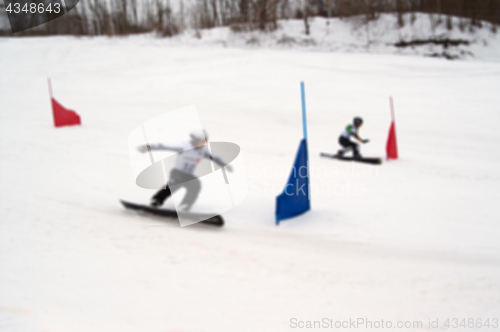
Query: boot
[{"x": 155, "y": 202}]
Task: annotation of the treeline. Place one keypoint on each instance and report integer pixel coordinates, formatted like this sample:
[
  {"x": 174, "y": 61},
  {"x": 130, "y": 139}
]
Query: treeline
[
  {"x": 170, "y": 17},
  {"x": 471, "y": 12}
]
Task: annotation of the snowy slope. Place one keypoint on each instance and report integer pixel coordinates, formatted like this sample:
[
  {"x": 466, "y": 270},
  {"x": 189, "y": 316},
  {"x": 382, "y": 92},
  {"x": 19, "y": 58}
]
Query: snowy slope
[
  {"x": 352, "y": 35},
  {"x": 411, "y": 240}
]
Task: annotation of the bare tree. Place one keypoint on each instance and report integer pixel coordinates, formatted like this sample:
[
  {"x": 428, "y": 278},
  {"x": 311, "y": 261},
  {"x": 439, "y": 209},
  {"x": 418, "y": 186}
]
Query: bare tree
[
  {"x": 120, "y": 17},
  {"x": 306, "y": 17}
]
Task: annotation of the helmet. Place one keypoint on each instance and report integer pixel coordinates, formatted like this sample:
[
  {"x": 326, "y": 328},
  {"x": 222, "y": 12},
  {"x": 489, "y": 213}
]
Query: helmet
[
  {"x": 357, "y": 121},
  {"x": 198, "y": 135}
]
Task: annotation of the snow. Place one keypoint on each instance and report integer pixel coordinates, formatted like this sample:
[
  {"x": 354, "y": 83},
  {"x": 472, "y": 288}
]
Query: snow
[
  {"x": 413, "y": 239},
  {"x": 351, "y": 35}
]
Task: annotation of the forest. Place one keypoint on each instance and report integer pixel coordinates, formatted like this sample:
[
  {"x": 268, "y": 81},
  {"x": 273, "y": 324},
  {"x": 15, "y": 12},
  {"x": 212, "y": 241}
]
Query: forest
[{"x": 168, "y": 18}]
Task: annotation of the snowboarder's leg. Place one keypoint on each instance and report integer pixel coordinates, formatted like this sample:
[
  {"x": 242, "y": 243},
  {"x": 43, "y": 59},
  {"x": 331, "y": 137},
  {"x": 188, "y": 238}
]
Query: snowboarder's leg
[
  {"x": 193, "y": 189},
  {"x": 179, "y": 179},
  {"x": 355, "y": 150},
  {"x": 347, "y": 145},
  {"x": 161, "y": 196}
]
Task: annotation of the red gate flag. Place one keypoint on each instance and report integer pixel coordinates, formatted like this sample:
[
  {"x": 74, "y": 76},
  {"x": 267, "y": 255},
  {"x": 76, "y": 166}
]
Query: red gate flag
[
  {"x": 392, "y": 146},
  {"x": 62, "y": 115}
]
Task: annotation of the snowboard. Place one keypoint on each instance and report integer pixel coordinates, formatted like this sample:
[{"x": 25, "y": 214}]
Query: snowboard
[
  {"x": 208, "y": 218},
  {"x": 373, "y": 161}
]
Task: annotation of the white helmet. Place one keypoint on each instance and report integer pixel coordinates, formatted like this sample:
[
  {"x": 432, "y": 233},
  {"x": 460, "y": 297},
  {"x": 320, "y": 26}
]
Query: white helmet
[{"x": 198, "y": 135}]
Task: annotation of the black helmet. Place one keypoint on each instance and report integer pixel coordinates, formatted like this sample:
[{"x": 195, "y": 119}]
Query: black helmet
[{"x": 357, "y": 121}]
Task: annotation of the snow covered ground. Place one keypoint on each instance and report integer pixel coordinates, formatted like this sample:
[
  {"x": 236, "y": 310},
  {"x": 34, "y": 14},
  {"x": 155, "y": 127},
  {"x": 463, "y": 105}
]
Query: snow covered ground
[
  {"x": 351, "y": 35},
  {"x": 411, "y": 240}
]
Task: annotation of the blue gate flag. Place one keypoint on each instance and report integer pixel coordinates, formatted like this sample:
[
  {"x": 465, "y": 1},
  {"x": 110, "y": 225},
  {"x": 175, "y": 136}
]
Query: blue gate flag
[{"x": 294, "y": 200}]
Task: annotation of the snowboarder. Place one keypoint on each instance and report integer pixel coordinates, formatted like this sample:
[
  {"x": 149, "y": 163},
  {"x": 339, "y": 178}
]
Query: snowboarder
[
  {"x": 345, "y": 138},
  {"x": 190, "y": 154}
]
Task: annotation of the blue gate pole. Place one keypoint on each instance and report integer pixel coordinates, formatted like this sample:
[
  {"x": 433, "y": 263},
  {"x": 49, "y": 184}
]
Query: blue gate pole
[
  {"x": 304, "y": 120},
  {"x": 304, "y": 126}
]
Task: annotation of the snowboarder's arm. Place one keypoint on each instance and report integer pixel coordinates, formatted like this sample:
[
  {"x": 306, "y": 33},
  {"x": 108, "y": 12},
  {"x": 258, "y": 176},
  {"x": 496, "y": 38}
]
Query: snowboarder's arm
[
  {"x": 359, "y": 139},
  {"x": 352, "y": 131},
  {"x": 160, "y": 146},
  {"x": 218, "y": 161}
]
